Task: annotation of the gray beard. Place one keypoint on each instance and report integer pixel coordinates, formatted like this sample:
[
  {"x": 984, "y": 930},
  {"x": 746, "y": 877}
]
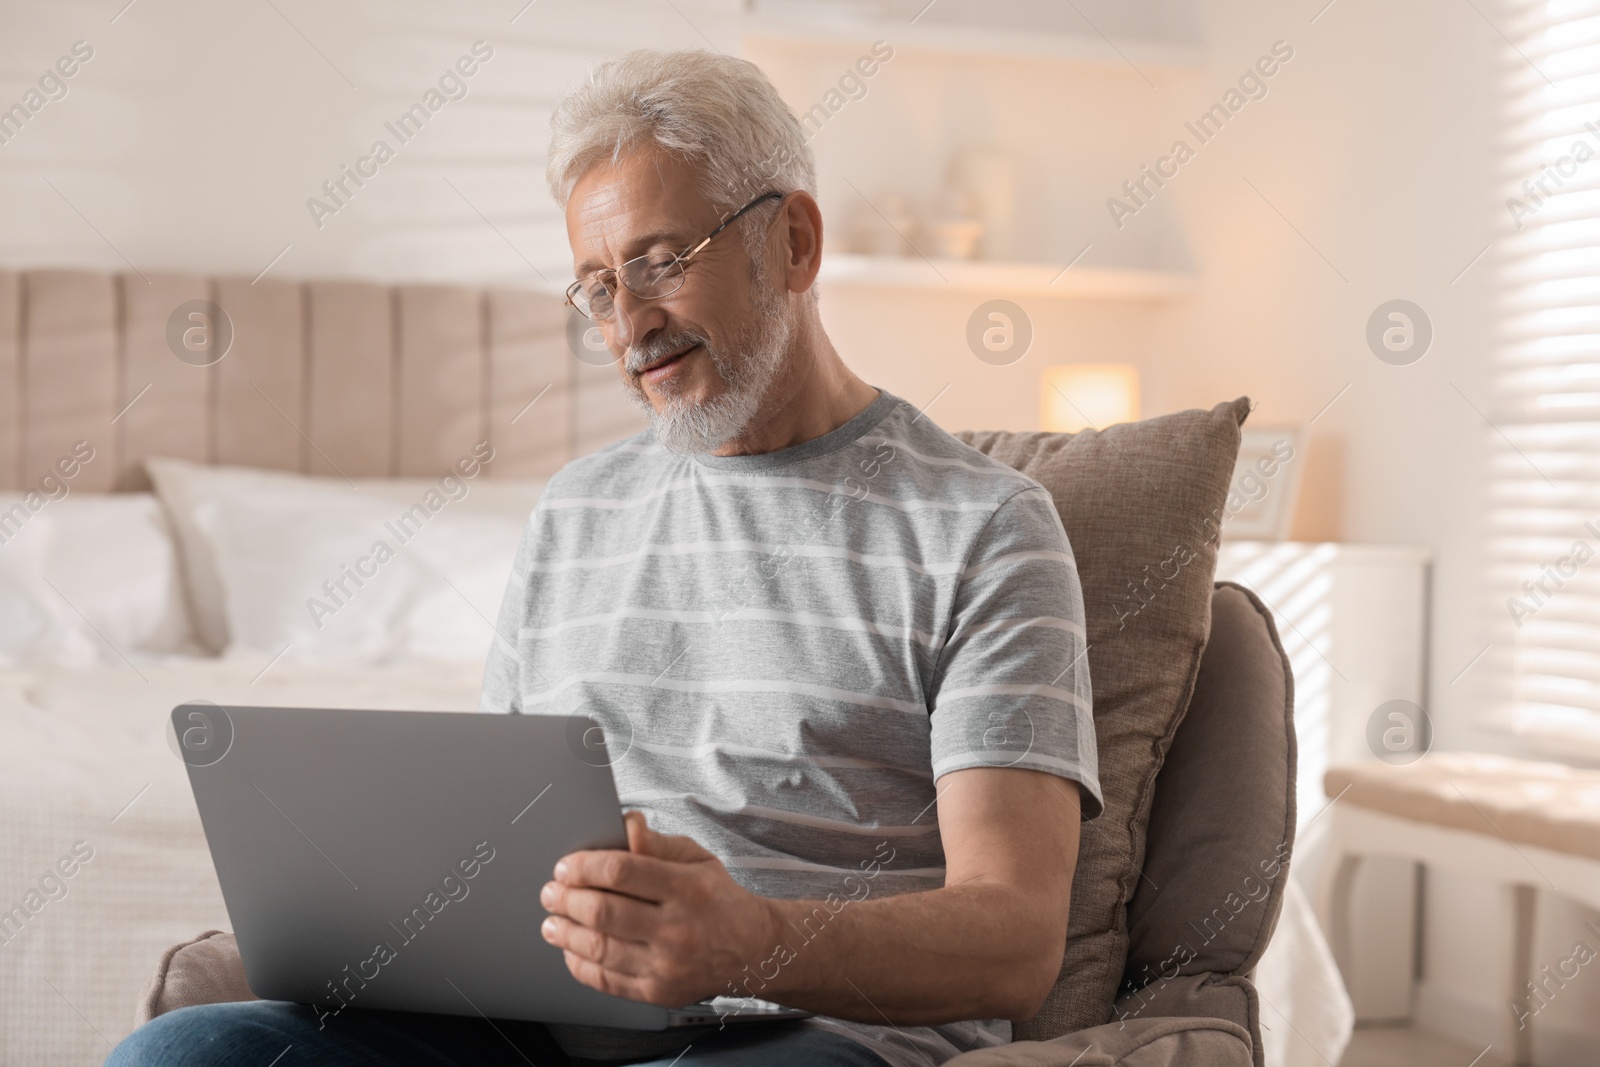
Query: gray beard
[{"x": 684, "y": 426}]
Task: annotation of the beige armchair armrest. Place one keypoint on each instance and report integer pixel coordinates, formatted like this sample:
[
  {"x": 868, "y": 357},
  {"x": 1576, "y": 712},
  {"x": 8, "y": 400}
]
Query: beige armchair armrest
[
  {"x": 206, "y": 970},
  {"x": 1134, "y": 1043}
]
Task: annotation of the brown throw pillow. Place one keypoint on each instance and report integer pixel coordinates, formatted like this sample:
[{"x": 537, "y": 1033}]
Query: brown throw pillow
[{"x": 1142, "y": 504}]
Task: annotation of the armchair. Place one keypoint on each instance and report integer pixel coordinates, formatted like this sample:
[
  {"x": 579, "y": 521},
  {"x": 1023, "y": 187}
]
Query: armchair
[{"x": 1180, "y": 881}]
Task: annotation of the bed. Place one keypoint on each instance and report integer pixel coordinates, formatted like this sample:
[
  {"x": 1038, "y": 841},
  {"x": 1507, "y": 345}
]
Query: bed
[
  {"x": 294, "y": 419},
  {"x": 193, "y": 516}
]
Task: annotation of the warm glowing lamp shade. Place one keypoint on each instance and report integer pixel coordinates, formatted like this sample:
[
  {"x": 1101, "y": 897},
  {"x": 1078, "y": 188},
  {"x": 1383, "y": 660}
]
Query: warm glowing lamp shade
[{"x": 1082, "y": 396}]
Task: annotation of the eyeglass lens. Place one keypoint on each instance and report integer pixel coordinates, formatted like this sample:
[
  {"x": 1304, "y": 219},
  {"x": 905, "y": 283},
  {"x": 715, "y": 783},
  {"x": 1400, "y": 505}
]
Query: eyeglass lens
[{"x": 649, "y": 276}]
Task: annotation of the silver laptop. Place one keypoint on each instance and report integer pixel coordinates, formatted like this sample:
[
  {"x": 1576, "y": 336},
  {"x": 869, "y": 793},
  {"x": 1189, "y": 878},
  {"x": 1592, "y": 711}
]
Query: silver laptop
[{"x": 393, "y": 859}]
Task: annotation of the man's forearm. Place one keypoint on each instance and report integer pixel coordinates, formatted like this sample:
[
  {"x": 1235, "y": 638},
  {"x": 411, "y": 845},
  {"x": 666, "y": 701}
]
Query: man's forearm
[
  {"x": 970, "y": 951},
  {"x": 665, "y": 923}
]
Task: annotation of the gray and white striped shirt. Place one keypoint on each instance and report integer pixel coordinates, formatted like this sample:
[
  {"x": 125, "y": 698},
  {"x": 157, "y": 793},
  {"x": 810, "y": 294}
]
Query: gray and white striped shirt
[{"x": 787, "y": 650}]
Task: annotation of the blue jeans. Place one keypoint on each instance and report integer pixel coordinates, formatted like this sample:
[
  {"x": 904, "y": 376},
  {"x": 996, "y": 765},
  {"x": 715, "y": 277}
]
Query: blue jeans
[{"x": 273, "y": 1033}]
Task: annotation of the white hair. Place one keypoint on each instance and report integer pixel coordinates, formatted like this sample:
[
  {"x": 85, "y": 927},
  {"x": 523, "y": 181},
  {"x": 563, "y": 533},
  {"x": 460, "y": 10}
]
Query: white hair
[{"x": 715, "y": 111}]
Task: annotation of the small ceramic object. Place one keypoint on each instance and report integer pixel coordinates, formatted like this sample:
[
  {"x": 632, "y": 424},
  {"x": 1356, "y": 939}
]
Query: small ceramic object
[{"x": 958, "y": 238}]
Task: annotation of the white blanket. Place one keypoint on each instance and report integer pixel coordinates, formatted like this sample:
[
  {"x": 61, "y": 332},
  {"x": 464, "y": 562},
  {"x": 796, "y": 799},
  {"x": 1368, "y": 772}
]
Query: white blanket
[
  {"x": 86, "y": 759},
  {"x": 1306, "y": 1015}
]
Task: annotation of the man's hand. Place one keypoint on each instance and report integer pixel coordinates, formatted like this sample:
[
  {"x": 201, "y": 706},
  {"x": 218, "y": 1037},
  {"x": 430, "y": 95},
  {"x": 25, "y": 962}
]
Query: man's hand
[{"x": 663, "y": 923}]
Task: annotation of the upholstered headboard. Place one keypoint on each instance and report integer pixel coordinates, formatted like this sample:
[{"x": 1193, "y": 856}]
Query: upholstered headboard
[{"x": 324, "y": 377}]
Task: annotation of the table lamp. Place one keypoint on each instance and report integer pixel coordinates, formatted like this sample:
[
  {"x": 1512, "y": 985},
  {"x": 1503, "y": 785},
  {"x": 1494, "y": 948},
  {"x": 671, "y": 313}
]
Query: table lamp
[{"x": 1081, "y": 396}]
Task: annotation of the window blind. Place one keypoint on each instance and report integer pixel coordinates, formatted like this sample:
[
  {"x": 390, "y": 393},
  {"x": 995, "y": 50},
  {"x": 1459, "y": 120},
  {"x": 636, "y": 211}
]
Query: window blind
[{"x": 1544, "y": 486}]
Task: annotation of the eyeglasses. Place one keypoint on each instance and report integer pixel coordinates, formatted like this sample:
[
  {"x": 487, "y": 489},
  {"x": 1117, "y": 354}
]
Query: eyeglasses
[{"x": 650, "y": 276}]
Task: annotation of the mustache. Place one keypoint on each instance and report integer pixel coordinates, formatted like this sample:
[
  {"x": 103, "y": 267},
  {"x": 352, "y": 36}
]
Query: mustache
[{"x": 636, "y": 359}]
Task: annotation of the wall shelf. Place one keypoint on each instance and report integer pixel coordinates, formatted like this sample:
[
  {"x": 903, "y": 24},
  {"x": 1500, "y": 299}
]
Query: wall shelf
[{"x": 1004, "y": 279}]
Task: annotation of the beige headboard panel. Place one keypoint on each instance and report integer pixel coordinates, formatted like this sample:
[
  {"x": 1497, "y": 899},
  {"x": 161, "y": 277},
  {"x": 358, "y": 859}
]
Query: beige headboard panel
[{"x": 324, "y": 377}]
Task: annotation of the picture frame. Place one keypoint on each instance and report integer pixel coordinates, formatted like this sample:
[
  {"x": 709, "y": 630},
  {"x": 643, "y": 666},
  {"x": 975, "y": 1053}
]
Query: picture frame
[{"x": 1265, "y": 483}]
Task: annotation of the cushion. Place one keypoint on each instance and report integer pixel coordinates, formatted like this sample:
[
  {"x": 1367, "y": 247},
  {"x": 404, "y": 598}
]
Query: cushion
[
  {"x": 87, "y": 579},
  {"x": 192, "y": 493},
  {"x": 1142, "y": 504},
  {"x": 339, "y": 578},
  {"x": 1549, "y": 805}
]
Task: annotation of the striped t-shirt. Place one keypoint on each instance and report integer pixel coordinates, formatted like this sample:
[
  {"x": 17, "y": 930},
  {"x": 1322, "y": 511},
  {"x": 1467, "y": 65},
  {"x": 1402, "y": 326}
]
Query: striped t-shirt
[{"x": 786, "y": 651}]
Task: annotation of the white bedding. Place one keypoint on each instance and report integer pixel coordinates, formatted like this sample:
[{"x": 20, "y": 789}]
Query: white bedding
[
  {"x": 86, "y": 758},
  {"x": 1306, "y": 1015}
]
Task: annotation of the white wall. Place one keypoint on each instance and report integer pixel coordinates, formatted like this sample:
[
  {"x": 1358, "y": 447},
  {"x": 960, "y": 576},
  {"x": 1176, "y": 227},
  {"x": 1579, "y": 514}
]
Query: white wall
[
  {"x": 198, "y": 131},
  {"x": 194, "y": 137}
]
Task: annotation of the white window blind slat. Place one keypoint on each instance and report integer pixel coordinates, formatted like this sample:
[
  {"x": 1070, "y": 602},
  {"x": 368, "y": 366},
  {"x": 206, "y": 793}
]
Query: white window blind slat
[{"x": 1544, "y": 491}]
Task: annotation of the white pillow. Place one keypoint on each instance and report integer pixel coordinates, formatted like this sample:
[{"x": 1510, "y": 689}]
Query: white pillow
[
  {"x": 89, "y": 579},
  {"x": 188, "y": 488},
  {"x": 329, "y": 577}
]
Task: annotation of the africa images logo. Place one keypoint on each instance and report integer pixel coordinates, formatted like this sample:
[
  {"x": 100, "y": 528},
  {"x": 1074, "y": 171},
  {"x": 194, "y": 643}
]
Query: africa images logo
[{"x": 452, "y": 888}]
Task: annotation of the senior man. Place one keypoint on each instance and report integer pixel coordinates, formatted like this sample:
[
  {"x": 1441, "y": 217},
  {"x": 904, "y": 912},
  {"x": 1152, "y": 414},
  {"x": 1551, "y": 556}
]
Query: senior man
[{"x": 837, "y": 654}]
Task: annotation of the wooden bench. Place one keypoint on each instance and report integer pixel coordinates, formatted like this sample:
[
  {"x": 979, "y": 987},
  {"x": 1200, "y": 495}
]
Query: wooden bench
[{"x": 1527, "y": 825}]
